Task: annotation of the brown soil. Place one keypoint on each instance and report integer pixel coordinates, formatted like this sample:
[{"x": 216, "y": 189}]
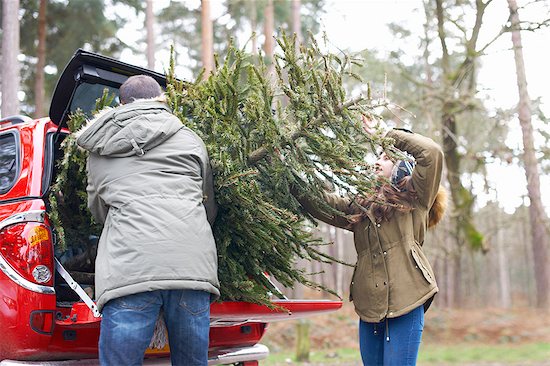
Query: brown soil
[{"x": 442, "y": 326}]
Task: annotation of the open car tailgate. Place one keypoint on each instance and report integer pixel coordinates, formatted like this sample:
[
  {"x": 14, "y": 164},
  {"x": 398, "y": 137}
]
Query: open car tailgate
[
  {"x": 229, "y": 312},
  {"x": 233, "y": 325},
  {"x": 234, "y": 312}
]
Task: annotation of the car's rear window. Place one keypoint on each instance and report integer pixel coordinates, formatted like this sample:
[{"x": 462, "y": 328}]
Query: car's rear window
[
  {"x": 86, "y": 95},
  {"x": 8, "y": 161}
]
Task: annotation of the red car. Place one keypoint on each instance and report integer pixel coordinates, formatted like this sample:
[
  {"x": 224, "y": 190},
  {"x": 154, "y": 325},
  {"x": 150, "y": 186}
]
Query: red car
[{"x": 37, "y": 324}]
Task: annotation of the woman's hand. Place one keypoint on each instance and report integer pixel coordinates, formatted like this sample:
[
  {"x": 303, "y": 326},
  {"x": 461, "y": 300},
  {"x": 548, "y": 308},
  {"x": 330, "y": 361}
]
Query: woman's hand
[{"x": 372, "y": 126}]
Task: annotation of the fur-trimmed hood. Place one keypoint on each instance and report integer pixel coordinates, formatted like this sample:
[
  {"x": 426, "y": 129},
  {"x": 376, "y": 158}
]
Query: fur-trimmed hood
[
  {"x": 437, "y": 211},
  {"x": 130, "y": 129}
]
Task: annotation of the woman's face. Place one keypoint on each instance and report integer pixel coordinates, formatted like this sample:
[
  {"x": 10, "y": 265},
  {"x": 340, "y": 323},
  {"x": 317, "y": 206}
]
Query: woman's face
[{"x": 384, "y": 166}]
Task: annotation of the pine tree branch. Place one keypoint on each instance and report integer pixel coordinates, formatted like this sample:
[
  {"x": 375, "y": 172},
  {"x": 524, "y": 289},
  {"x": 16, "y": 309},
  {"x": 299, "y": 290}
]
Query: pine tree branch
[{"x": 262, "y": 152}]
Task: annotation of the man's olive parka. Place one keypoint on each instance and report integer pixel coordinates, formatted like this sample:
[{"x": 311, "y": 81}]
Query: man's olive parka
[{"x": 392, "y": 275}]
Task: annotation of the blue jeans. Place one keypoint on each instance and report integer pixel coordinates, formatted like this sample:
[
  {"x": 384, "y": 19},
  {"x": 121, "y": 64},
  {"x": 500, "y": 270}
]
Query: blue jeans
[
  {"x": 405, "y": 334},
  {"x": 129, "y": 321}
]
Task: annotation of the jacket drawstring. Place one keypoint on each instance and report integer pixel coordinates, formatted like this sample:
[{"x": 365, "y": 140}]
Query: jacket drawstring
[
  {"x": 387, "y": 330},
  {"x": 139, "y": 151}
]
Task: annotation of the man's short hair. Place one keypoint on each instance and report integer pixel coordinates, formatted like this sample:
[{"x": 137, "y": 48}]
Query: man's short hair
[{"x": 139, "y": 87}]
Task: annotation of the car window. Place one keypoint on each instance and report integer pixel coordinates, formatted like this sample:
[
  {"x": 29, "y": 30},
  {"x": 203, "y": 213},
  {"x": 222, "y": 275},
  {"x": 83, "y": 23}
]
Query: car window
[
  {"x": 8, "y": 161},
  {"x": 86, "y": 96}
]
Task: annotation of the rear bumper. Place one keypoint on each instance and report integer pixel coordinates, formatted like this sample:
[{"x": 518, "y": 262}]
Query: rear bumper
[
  {"x": 218, "y": 357},
  {"x": 234, "y": 355}
]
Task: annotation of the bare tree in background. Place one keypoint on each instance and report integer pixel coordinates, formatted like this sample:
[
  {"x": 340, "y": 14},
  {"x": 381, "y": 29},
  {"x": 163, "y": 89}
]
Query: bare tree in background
[
  {"x": 207, "y": 38},
  {"x": 538, "y": 218},
  {"x": 10, "y": 51},
  {"x": 253, "y": 25},
  {"x": 296, "y": 20},
  {"x": 269, "y": 24},
  {"x": 39, "y": 92},
  {"x": 149, "y": 25}
]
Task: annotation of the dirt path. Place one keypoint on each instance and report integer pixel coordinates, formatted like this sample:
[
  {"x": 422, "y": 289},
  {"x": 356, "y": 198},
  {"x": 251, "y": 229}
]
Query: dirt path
[{"x": 461, "y": 330}]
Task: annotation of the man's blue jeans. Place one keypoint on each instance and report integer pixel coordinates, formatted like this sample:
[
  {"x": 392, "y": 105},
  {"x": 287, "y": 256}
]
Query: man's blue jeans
[
  {"x": 405, "y": 334},
  {"x": 128, "y": 324}
]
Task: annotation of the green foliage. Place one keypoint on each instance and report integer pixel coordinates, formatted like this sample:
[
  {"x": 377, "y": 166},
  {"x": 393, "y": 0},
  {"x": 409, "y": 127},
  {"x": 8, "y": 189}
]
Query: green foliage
[
  {"x": 180, "y": 24},
  {"x": 244, "y": 11},
  {"x": 70, "y": 24},
  {"x": 260, "y": 155}
]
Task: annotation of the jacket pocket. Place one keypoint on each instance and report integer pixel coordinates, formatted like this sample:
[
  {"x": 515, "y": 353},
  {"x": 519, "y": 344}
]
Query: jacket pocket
[
  {"x": 352, "y": 282},
  {"x": 195, "y": 302},
  {"x": 422, "y": 263},
  {"x": 362, "y": 274}
]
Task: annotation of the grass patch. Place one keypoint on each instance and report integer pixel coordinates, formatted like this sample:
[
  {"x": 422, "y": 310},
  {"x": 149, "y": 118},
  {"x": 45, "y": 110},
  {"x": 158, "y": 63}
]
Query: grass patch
[
  {"x": 460, "y": 353},
  {"x": 326, "y": 357},
  {"x": 431, "y": 354}
]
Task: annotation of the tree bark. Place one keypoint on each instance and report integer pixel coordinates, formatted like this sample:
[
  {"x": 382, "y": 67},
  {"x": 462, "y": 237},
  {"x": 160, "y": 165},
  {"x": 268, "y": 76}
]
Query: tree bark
[
  {"x": 339, "y": 269},
  {"x": 150, "y": 27},
  {"x": 458, "y": 301},
  {"x": 207, "y": 38},
  {"x": 462, "y": 198},
  {"x": 253, "y": 25},
  {"x": 269, "y": 29},
  {"x": 302, "y": 340},
  {"x": 10, "y": 51},
  {"x": 296, "y": 20},
  {"x": 538, "y": 219},
  {"x": 41, "y": 63},
  {"x": 503, "y": 267}
]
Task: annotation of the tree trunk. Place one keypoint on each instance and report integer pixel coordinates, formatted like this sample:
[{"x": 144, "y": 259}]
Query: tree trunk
[
  {"x": 462, "y": 198},
  {"x": 10, "y": 51},
  {"x": 296, "y": 20},
  {"x": 269, "y": 29},
  {"x": 253, "y": 25},
  {"x": 149, "y": 25},
  {"x": 302, "y": 340},
  {"x": 41, "y": 63},
  {"x": 339, "y": 269},
  {"x": 503, "y": 265},
  {"x": 207, "y": 38},
  {"x": 457, "y": 279},
  {"x": 448, "y": 280},
  {"x": 538, "y": 219}
]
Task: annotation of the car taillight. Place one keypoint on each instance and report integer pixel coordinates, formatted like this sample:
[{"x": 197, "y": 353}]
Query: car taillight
[{"x": 28, "y": 248}]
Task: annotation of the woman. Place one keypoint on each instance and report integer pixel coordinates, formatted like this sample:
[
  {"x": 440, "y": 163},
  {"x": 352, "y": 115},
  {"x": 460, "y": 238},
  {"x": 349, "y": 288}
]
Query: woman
[{"x": 393, "y": 282}]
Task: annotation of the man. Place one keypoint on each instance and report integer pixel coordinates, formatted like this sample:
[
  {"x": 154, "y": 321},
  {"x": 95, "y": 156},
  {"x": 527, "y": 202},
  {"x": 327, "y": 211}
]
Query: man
[{"x": 150, "y": 183}]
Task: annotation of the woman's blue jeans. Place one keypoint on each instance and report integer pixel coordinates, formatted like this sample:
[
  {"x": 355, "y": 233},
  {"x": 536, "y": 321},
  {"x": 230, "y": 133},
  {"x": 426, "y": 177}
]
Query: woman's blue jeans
[
  {"x": 404, "y": 333},
  {"x": 128, "y": 324}
]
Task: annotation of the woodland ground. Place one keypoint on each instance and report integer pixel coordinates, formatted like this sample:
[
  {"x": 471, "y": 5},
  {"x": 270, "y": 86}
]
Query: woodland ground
[{"x": 472, "y": 337}]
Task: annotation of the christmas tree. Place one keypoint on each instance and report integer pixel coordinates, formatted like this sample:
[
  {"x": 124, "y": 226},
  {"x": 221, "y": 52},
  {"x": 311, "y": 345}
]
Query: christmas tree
[{"x": 268, "y": 138}]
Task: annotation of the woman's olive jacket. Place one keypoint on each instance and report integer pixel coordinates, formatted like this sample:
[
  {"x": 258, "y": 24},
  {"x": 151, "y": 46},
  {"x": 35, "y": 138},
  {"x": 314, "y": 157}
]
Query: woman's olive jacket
[{"x": 392, "y": 275}]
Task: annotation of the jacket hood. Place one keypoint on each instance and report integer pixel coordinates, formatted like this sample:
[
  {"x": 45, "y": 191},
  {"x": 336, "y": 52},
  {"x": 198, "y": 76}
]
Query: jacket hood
[
  {"x": 437, "y": 211},
  {"x": 130, "y": 129}
]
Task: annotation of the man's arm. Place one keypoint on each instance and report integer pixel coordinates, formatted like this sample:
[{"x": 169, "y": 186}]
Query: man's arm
[
  {"x": 208, "y": 187},
  {"x": 97, "y": 206}
]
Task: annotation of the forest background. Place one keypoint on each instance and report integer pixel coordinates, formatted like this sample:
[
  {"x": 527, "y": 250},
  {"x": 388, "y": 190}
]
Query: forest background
[{"x": 464, "y": 72}]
